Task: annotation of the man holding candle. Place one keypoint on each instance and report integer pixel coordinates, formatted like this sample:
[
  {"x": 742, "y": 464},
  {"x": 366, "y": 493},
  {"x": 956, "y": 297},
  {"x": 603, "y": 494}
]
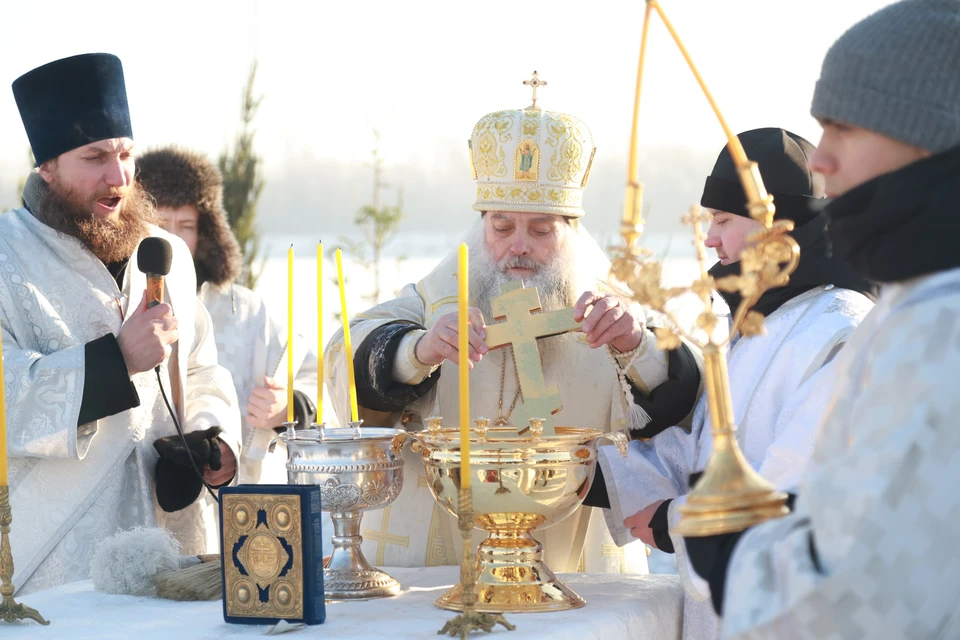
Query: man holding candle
[
  {"x": 610, "y": 375},
  {"x": 251, "y": 342},
  {"x": 88, "y": 425},
  {"x": 870, "y": 548}
]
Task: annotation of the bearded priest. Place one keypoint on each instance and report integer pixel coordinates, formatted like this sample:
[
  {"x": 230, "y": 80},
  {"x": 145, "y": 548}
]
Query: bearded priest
[
  {"x": 531, "y": 168},
  {"x": 92, "y": 445}
]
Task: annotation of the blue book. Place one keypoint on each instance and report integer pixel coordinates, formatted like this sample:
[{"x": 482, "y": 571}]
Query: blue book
[{"x": 272, "y": 552}]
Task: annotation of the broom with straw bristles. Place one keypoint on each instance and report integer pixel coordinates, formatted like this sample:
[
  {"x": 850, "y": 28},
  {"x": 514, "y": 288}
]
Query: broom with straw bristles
[{"x": 198, "y": 582}]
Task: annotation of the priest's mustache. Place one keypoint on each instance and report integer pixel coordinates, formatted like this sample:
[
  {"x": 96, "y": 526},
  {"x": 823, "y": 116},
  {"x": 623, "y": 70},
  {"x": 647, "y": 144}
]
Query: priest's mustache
[{"x": 519, "y": 262}]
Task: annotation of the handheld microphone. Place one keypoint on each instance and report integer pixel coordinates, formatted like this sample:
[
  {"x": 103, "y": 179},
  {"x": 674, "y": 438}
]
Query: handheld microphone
[{"x": 153, "y": 258}]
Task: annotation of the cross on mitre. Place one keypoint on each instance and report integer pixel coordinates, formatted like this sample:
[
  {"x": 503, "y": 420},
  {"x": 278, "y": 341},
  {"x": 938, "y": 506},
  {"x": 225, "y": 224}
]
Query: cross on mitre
[
  {"x": 521, "y": 328},
  {"x": 534, "y": 82}
]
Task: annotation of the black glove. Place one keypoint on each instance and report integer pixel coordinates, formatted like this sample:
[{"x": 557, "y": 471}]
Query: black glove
[
  {"x": 709, "y": 557},
  {"x": 178, "y": 485},
  {"x": 660, "y": 527}
]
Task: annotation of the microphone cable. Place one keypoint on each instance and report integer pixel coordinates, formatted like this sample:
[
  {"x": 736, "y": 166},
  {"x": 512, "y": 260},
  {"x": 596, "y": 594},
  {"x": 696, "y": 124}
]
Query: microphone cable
[{"x": 183, "y": 438}]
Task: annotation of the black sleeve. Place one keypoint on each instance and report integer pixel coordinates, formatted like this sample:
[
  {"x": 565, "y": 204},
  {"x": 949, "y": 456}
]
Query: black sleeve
[
  {"x": 661, "y": 528},
  {"x": 107, "y": 389},
  {"x": 710, "y": 557},
  {"x": 373, "y": 367},
  {"x": 669, "y": 404},
  {"x": 597, "y": 495}
]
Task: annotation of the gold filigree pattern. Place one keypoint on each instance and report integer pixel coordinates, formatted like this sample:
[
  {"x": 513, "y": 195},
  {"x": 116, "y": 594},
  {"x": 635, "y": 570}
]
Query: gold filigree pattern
[
  {"x": 528, "y": 193},
  {"x": 548, "y": 152},
  {"x": 568, "y": 162},
  {"x": 490, "y": 134},
  {"x": 263, "y": 556}
]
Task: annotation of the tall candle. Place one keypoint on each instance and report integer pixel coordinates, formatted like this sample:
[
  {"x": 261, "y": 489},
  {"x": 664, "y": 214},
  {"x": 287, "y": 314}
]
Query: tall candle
[
  {"x": 319, "y": 333},
  {"x": 3, "y": 424},
  {"x": 290, "y": 334},
  {"x": 348, "y": 348},
  {"x": 463, "y": 349}
]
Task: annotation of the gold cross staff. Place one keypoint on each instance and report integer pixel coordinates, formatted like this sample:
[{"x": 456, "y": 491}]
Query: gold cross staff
[
  {"x": 521, "y": 329},
  {"x": 534, "y": 82}
]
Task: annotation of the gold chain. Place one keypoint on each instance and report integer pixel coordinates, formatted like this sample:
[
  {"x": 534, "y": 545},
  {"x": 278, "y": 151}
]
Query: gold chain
[{"x": 502, "y": 419}]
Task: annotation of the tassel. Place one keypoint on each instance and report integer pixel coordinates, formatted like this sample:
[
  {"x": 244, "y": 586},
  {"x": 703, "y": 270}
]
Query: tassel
[{"x": 637, "y": 417}]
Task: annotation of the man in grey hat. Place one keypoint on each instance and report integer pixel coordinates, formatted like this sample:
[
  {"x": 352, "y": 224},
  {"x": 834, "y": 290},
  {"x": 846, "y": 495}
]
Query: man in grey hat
[{"x": 870, "y": 550}]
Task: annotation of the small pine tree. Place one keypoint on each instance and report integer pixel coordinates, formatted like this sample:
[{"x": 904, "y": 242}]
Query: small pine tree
[
  {"x": 243, "y": 183},
  {"x": 378, "y": 223}
]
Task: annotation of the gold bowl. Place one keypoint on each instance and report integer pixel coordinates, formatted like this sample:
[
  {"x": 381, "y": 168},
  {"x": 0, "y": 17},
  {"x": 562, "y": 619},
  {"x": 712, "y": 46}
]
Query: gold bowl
[{"x": 519, "y": 485}]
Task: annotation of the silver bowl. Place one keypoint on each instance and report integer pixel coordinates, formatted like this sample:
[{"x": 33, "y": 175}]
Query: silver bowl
[{"x": 358, "y": 469}]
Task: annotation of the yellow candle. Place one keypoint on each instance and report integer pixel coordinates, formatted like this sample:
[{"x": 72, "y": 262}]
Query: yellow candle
[
  {"x": 348, "y": 348},
  {"x": 319, "y": 333},
  {"x": 3, "y": 424},
  {"x": 290, "y": 334},
  {"x": 463, "y": 347}
]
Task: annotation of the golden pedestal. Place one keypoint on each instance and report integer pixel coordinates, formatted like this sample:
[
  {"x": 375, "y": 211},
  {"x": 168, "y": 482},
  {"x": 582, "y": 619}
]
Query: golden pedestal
[
  {"x": 519, "y": 485},
  {"x": 10, "y": 610}
]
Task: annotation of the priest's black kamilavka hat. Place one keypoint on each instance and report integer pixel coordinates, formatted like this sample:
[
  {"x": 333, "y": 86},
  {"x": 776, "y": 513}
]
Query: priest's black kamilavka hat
[
  {"x": 784, "y": 161},
  {"x": 72, "y": 102}
]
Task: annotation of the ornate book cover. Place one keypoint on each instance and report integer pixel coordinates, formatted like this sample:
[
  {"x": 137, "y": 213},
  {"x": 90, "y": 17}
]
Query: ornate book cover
[{"x": 272, "y": 554}]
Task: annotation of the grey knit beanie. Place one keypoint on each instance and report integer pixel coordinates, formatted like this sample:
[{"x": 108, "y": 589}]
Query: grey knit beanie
[{"x": 897, "y": 73}]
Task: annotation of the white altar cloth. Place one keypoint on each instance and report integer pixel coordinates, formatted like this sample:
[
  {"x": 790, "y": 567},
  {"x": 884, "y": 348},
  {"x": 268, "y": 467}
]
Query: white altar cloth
[{"x": 618, "y": 606}]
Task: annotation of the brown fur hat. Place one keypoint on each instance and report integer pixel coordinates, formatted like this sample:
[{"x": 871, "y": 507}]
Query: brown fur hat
[{"x": 176, "y": 177}]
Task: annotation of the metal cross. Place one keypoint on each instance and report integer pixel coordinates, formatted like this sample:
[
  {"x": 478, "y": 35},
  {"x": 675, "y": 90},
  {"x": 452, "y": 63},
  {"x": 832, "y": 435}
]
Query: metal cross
[
  {"x": 534, "y": 82},
  {"x": 521, "y": 329}
]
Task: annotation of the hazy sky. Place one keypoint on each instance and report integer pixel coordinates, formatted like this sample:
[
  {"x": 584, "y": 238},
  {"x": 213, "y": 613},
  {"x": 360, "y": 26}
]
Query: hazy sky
[{"x": 424, "y": 72}]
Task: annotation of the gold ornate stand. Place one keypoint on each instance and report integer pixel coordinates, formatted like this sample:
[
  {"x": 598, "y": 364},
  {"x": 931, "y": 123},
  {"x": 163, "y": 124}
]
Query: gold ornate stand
[
  {"x": 730, "y": 495},
  {"x": 470, "y": 619},
  {"x": 10, "y": 610}
]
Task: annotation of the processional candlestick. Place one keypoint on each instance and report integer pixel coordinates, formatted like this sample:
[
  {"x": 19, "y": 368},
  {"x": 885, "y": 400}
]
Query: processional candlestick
[{"x": 730, "y": 496}]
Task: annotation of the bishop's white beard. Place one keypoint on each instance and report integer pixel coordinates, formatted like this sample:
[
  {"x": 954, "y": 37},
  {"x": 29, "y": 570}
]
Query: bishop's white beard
[{"x": 560, "y": 282}]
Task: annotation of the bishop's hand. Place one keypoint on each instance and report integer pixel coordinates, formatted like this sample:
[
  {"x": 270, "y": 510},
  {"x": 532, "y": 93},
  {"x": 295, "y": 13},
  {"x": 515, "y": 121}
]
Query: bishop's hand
[
  {"x": 439, "y": 343},
  {"x": 611, "y": 320}
]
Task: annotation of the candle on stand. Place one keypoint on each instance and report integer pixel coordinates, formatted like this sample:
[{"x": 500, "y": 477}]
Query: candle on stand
[
  {"x": 348, "y": 348},
  {"x": 290, "y": 334},
  {"x": 319, "y": 333},
  {"x": 463, "y": 348},
  {"x": 3, "y": 424}
]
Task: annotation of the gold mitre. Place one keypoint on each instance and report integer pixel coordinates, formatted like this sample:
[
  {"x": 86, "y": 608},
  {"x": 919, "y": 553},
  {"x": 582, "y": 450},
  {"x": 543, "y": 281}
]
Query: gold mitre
[{"x": 531, "y": 160}]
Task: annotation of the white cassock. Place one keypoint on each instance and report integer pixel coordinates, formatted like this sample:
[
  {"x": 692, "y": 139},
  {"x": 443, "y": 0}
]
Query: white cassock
[
  {"x": 73, "y": 486},
  {"x": 415, "y": 530},
  {"x": 871, "y": 548},
  {"x": 251, "y": 344},
  {"x": 780, "y": 385}
]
